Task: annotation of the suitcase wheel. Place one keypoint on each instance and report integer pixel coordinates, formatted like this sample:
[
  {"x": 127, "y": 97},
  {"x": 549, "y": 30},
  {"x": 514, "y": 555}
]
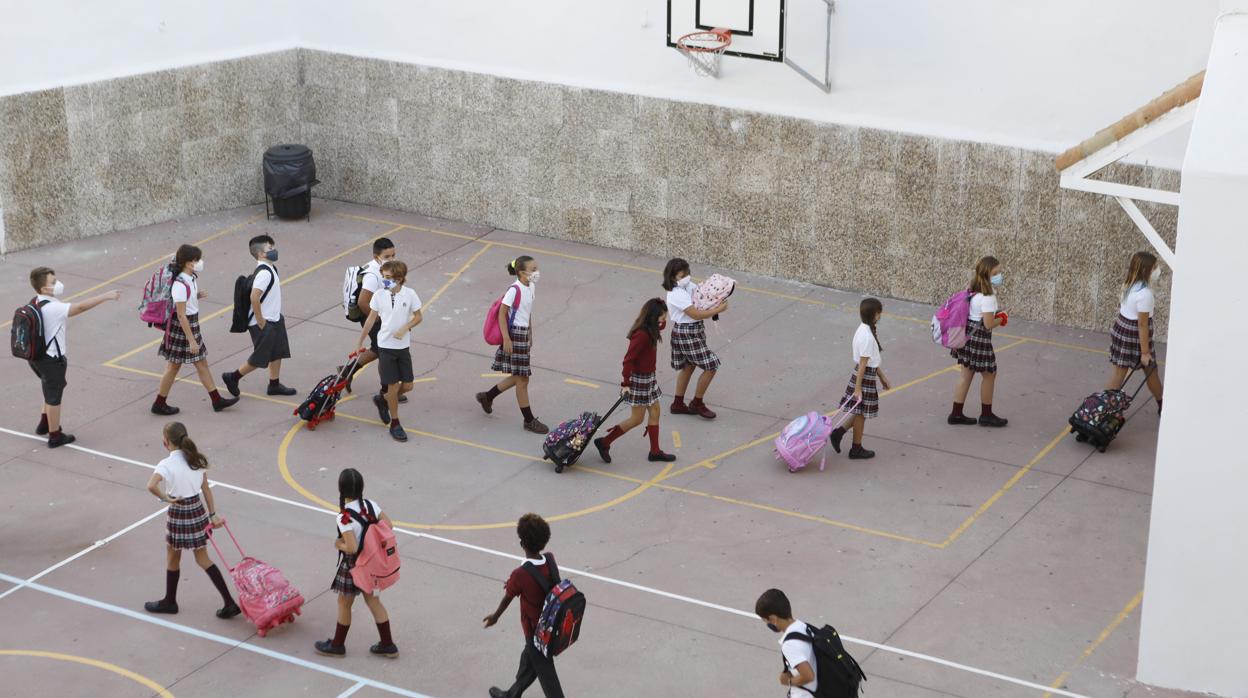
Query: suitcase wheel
[
  {"x": 559, "y": 467},
  {"x": 1102, "y": 447},
  {"x": 312, "y": 426},
  {"x": 1080, "y": 438},
  {"x": 262, "y": 631}
]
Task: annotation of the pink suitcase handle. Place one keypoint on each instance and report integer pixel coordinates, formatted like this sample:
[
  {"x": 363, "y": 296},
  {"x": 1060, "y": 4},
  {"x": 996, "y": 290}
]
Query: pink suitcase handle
[{"x": 208, "y": 530}]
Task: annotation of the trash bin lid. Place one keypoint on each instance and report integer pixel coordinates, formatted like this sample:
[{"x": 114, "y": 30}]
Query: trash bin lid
[{"x": 288, "y": 152}]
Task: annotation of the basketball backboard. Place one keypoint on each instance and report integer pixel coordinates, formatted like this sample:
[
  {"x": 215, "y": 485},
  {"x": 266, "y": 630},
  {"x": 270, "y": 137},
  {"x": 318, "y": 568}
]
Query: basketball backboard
[{"x": 795, "y": 32}]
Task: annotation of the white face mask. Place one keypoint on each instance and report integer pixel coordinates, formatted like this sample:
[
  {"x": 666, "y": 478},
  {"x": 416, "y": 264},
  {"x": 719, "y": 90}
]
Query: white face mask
[
  {"x": 533, "y": 277},
  {"x": 199, "y": 266},
  {"x": 57, "y": 289},
  {"x": 1155, "y": 276},
  {"x": 684, "y": 282}
]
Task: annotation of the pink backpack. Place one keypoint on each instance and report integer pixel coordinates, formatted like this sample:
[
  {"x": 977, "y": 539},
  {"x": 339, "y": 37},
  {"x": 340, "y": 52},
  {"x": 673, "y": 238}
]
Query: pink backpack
[
  {"x": 805, "y": 436},
  {"x": 713, "y": 291},
  {"x": 267, "y": 599},
  {"x": 156, "y": 306},
  {"x": 949, "y": 323},
  {"x": 494, "y": 336},
  {"x": 377, "y": 562}
]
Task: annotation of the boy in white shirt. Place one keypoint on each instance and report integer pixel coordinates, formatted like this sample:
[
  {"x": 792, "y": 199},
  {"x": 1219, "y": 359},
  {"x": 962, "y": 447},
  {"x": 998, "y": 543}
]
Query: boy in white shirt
[
  {"x": 397, "y": 308},
  {"x": 799, "y": 676},
  {"x": 51, "y": 368},
  {"x": 266, "y": 327}
]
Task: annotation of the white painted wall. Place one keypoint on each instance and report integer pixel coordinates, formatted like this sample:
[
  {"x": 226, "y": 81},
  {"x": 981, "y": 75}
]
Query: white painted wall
[
  {"x": 1192, "y": 628},
  {"x": 1037, "y": 75},
  {"x": 52, "y": 43},
  {"x": 1040, "y": 75}
]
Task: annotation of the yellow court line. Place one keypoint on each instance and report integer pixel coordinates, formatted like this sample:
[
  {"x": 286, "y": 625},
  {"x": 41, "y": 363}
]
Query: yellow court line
[
  {"x": 106, "y": 666},
  {"x": 495, "y": 375},
  {"x": 284, "y": 469},
  {"x": 957, "y": 532},
  {"x": 435, "y": 231},
  {"x": 587, "y": 384},
  {"x": 149, "y": 265},
  {"x": 675, "y": 439},
  {"x": 1100, "y": 639},
  {"x": 111, "y": 363},
  {"x": 456, "y": 274}
]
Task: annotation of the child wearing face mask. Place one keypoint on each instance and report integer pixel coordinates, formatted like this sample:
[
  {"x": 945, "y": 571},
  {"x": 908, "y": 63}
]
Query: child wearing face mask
[
  {"x": 515, "y": 322},
  {"x": 397, "y": 309},
  {"x": 53, "y": 365},
  {"x": 862, "y": 390},
  {"x": 183, "y": 342},
  {"x": 689, "y": 348},
  {"x": 1131, "y": 340},
  {"x": 978, "y": 356},
  {"x": 799, "y": 677},
  {"x": 267, "y": 327},
  {"x": 640, "y": 385}
]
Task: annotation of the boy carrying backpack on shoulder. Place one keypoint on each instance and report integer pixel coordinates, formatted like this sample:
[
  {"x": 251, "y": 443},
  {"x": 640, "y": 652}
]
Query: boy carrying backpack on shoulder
[{"x": 815, "y": 661}]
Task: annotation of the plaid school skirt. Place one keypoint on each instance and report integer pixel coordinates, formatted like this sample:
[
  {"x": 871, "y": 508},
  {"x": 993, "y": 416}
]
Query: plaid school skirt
[
  {"x": 643, "y": 390},
  {"x": 186, "y": 524},
  {"x": 517, "y": 362},
  {"x": 1124, "y": 342},
  {"x": 870, "y": 405},
  {"x": 176, "y": 348},
  {"x": 689, "y": 347},
  {"x": 977, "y": 354},
  {"x": 343, "y": 583}
]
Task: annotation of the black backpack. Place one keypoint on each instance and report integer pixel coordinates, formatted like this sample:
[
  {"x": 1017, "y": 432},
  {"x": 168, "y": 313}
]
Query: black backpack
[
  {"x": 242, "y": 297},
  {"x": 837, "y": 673},
  {"x": 26, "y": 335}
]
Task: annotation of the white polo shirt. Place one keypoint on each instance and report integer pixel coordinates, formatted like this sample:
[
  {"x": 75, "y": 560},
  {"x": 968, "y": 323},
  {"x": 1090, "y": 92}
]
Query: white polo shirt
[
  {"x": 372, "y": 277},
  {"x": 981, "y": 304},
  {"x": 1138, "y": 300},
  {"x": 393, "y": 311},
  {"x": 55, "y": 319},
  {"x": 678, "y": 300},
  {"x": 525, "y": 312},
  {"x": 180, "y": 480},
  {"x": 865, "y": 345},
  {"x": 271, "y": 306},
  {"x": 186, "y": 290},
  {"x": 798, "y": 651}
]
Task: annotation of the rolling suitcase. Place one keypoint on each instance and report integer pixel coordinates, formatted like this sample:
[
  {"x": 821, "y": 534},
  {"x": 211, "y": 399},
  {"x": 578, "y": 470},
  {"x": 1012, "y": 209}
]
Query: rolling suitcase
[
  {"x": 566, "y": 442},
  {"x": 267, "y": 599},
  {"x": 1102, "y": 414},
  {"x": 319, "y": 405}
]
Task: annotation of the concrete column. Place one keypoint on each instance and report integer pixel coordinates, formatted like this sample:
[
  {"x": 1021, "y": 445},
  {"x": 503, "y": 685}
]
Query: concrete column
[{"x": 1194, "y": 628}]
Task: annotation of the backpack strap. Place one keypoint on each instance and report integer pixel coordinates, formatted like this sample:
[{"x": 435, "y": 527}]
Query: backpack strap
[
  {"x": 364, "y": 520},
  {"x": 511, "y": 316},
  {"x": 804, "y": 637},
  {"x": 548, "y": 582}
]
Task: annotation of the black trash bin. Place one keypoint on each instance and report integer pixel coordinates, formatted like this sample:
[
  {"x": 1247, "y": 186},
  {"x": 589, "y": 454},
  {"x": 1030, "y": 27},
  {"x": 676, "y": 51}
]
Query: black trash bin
[{"x": 289, "y": 175}]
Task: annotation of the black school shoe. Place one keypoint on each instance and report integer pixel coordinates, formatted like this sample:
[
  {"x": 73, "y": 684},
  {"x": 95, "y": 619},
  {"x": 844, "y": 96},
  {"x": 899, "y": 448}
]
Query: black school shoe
[
  {"x": 496, "y": 692},
  {"x": 397, "y": 432},
  {"x": 604, "y": 450},
  {"x": 165, "y": 410},
  {"x": 227, "y": 612},
  {"x": 231, "y": 383},
  {"x": 42, "y": 428},
  {"x": 961, "y": 419},
  {"x": 857, "y": 452},
  {"x": 160, "y": 607},
  {"x": 383, "y": 410},
  {"x": 280, "y": 389},
  {"x": 61, "y": 440},
  {"x": 993, "y": 420},
  {"x": 224, "y": 403},
  {"x": 660, "y": 457},
  {"x": 391, "y": 650},
  {"x": 486, "y": 402},
  {"x": 328, "y": 648}
]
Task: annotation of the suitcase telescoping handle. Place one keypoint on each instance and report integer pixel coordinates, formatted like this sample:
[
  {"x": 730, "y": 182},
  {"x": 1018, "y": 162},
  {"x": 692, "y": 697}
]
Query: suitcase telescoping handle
[
  {"x": 603, "y": 420},
  {"x": 1152, "y": 365},
  {"x": 226, "y": 526}
]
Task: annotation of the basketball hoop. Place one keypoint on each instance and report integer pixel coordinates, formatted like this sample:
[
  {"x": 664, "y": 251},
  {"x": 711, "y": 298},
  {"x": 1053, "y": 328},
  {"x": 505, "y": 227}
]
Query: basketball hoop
[{"x": 704, "y": 49}]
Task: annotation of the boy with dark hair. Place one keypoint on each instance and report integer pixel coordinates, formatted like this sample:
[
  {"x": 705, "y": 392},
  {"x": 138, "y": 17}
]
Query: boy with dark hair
[
  {"x": 383, "y": 251},
  {"x": 51, "y": 369},
  {"x": 799, "y": 655},
  {"x": 267, "y": 327},
  {"x": 534, "y": 534},
  {"x": 396, "y": 310}
]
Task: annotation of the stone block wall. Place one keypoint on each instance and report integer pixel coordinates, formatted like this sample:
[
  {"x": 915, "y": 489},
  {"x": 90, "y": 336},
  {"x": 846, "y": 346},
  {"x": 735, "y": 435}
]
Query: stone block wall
[
  {"x": 886, "y": 213},
  {"x": 117, "y": 154}
]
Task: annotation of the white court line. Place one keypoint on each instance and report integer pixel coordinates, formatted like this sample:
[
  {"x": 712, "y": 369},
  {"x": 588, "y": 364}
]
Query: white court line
[
  {"x": 84, "y": 551},
  {"x": 351, "y": 691},
  {"x": 213, "y": 637},
  {"x": 608, "y": 580}
]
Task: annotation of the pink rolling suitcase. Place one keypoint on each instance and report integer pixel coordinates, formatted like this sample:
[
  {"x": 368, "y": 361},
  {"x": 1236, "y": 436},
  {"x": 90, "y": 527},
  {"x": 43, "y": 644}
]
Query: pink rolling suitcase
[{"x": 267, "y": 599}]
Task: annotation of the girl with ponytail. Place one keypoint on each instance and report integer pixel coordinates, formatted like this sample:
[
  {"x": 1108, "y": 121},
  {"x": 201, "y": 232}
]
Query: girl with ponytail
[
  {"x": 515, "y": 315},
  {"x": 179, "y": 480},
  {"x": 978, "y": 356},
  {"x": 353, "y": 506},
  {"x": 1131, "y": 339},
  {"x": 640, "y": 388},
  {"x": 862, "y": 392}
]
